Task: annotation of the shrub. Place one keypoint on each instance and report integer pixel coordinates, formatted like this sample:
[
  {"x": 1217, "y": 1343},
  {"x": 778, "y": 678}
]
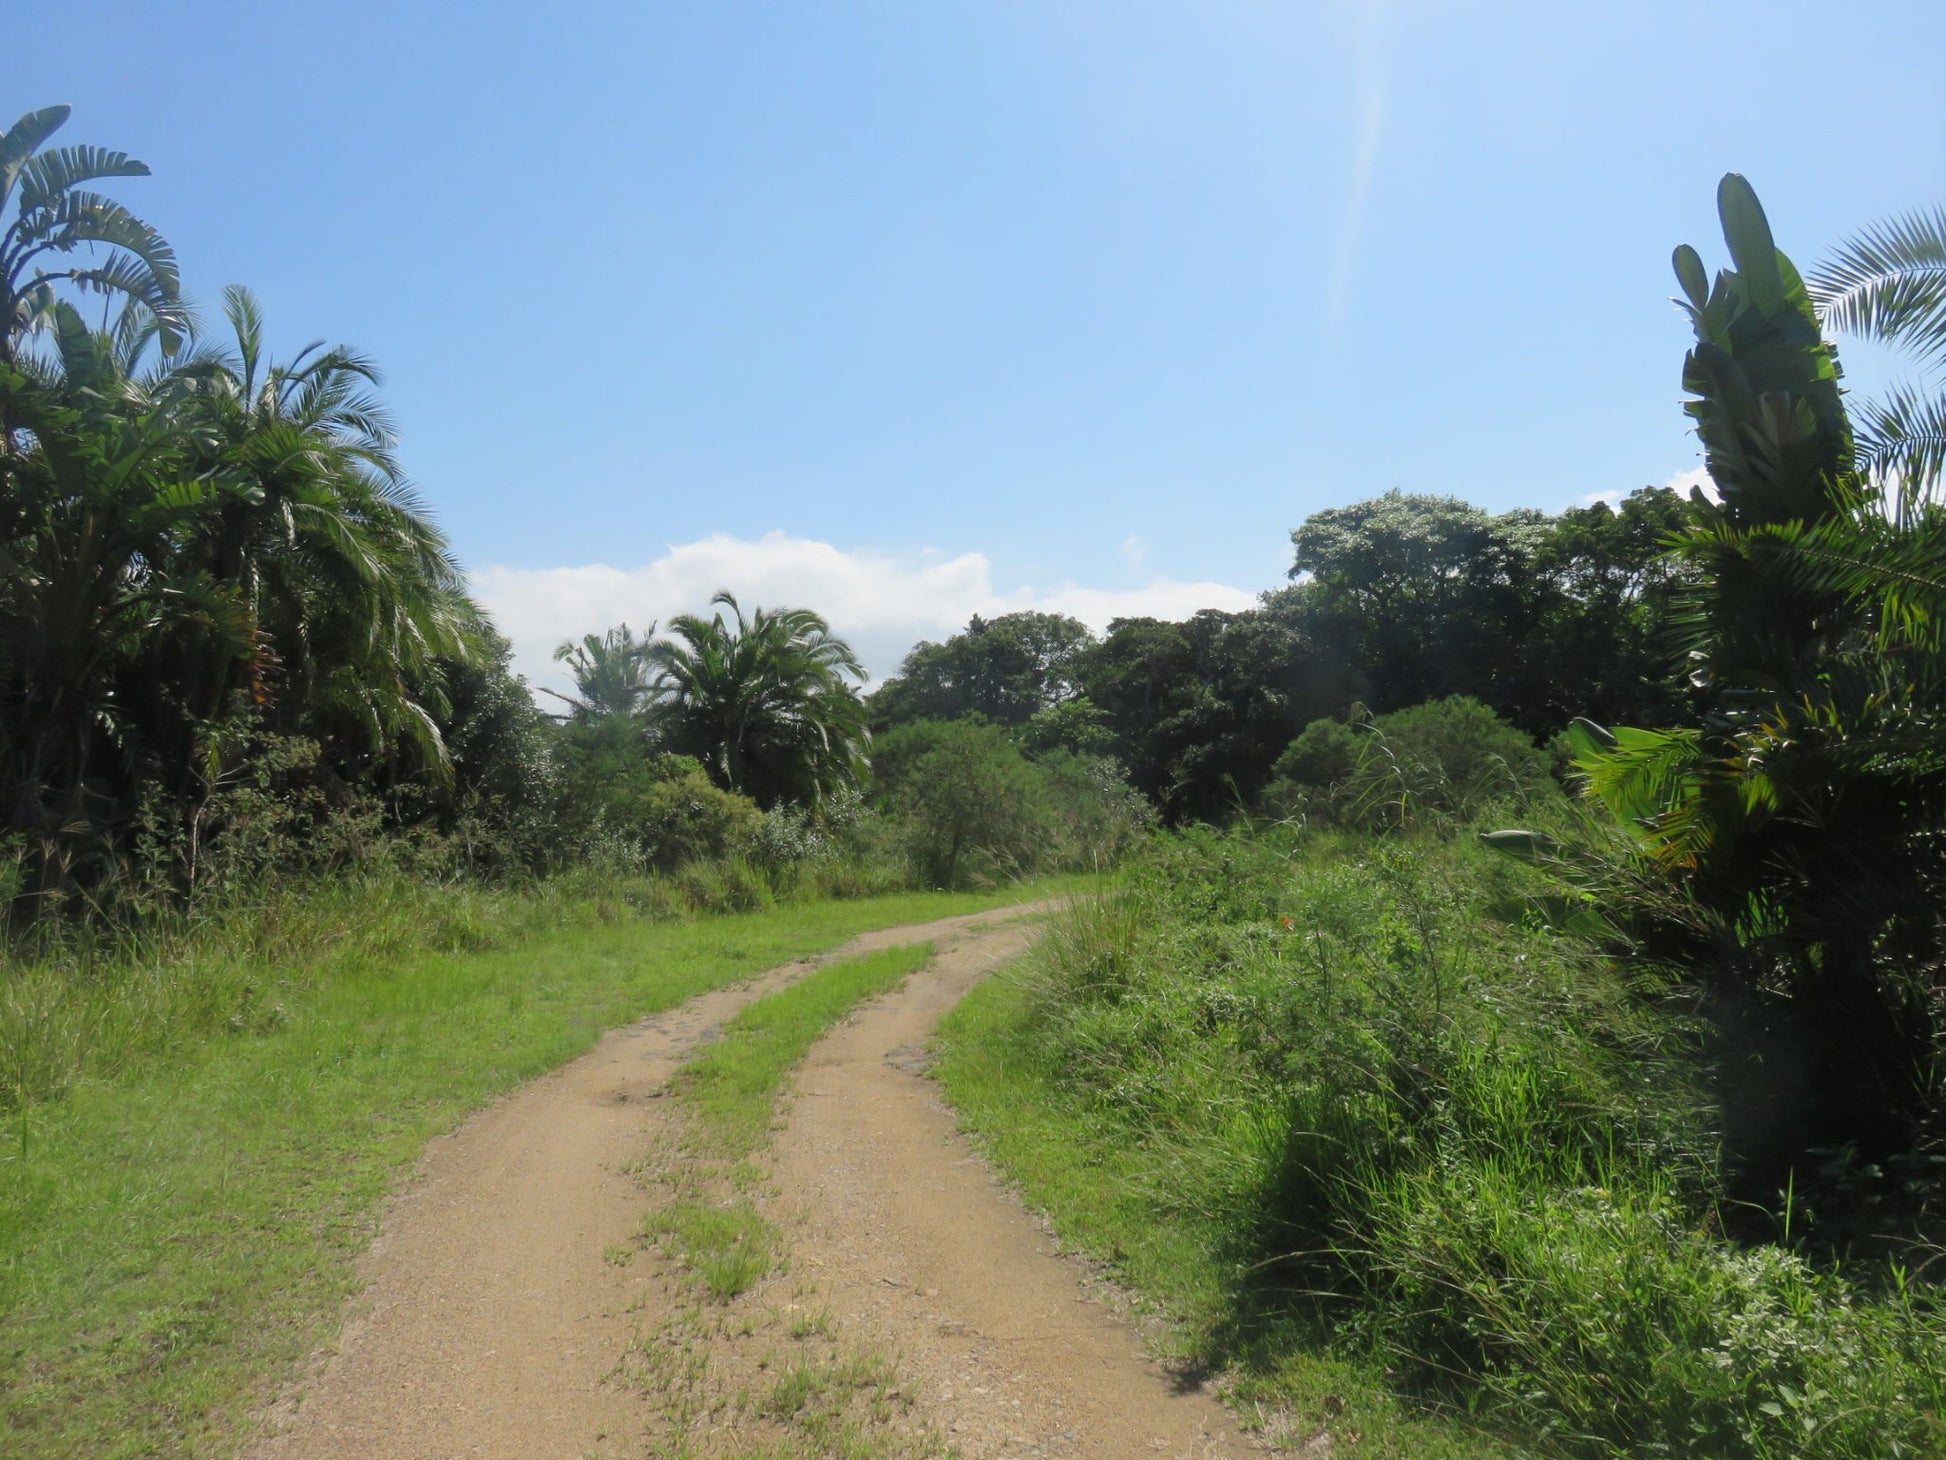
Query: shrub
[
  {"x": 968, "y": 797},
  {"x": 1400, "y": 1106},
  {"x": 1444, "y": 762},
  {"x": 688, "y": 818}
]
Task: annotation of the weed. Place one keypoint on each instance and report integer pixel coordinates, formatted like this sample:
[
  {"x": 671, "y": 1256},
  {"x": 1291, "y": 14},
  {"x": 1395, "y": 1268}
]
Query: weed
[{"x": 731, "y": 1248}]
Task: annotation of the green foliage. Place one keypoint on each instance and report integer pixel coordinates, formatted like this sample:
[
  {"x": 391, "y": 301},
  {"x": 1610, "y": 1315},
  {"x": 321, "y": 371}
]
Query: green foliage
[
  {"x": 1007, "y": 669},
  {"x": 611, "y": 674},
  {"x": 1889, "y": 283},
  {"x": 972, "y": 809},
  {"x": 1076, "y": 725},
  {"x": 1441, "y": 763},
  {"x": 688, "y": 818},
  {"x": 1800, "y": 810},
  {"x": 54, "y": 212},
  {"x": 202, "y": 553},
  {"x": 1365, "y": 1095},
  {"x": 1199, "y": 710},
  {"x": 764, "y": 703},
  {"x": 650, "y": 809},
  {"x": 967, "y": 796},
  {"x": 1539, "y": 617}
]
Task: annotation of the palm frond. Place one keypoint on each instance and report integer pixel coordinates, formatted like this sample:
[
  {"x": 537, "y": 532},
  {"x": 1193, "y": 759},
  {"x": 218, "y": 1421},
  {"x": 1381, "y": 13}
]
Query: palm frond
[
  {"x": 1889, "y": 283},
  {"x": 46, "y": 175}
]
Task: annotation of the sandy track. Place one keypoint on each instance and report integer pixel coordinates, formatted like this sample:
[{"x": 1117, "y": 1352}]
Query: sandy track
[
  {"x": 494, "y": 1322},
  {"x": 916, "y": 1247}
]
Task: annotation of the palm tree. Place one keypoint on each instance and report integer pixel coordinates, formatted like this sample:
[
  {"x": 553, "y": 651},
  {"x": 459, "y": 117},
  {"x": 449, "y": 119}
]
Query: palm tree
[
  {"x": 350, "y": 590},
  {"x": 54, "y": 214},
  {"x": 763, "y": 701},
  {"x": 208, "y": 544},
  {"x": 93, "y": 583},
  {"x": 1888, "y": 283},
  {"x": 611, "y": 674}
]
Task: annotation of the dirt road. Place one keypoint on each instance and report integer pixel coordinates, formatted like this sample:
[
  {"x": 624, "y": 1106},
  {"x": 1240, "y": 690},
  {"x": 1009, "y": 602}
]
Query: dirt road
[{"x": 501, "y": 1303}]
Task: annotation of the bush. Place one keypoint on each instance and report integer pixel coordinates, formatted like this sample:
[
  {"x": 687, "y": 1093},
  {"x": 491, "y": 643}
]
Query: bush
[
  {"x": 1445, "y": 762},
  {"x": 967, "y": 796},
  {"x": 686, "y": 817},
  {"x": 972, "y": 807},
  {"x": 1401, "y": 1107}
]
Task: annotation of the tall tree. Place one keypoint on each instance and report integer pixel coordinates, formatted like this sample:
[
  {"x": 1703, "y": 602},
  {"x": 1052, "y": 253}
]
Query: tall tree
[
  {"x": 612, "y": 674},
  {"x": 1426, "y": 595},
  {"x": 1008, "y": 669},
  {"x": 765, "y": 701}
]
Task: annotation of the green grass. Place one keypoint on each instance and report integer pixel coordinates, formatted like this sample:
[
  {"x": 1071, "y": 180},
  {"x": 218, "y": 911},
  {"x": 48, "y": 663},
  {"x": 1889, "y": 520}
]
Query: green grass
[
  {"x": 713, "y": 1360},
  {"x": 1104, "y": 1195},
  {"x": 178, "y": 1229},
  {"x": 731, "y": 1248},
  {"x": 1404, "y": 1158},
  {"x": 732, "y": 1085}
]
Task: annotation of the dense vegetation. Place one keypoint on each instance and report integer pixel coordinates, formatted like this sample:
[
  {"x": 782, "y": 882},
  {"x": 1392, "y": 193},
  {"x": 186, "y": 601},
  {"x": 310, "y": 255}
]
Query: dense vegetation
[
  {"x": 1638, "y": 1147},
  {"x": 1400, "y": 600},
  {"x": 234, "y": 645},
  {"x": 1353, "y": 1105},
  {"x": 1633, "y": 1140}
]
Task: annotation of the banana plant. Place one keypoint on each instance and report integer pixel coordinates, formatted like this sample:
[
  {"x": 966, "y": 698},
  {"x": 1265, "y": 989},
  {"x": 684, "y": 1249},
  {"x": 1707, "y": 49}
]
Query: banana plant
[
  {"x": 55, "y": 214},
  {"x": 1801, "y": 811}
]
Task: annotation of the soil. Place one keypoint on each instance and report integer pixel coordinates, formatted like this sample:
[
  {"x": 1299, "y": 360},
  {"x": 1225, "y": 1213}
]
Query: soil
[{"x": 502, "y": 1305}]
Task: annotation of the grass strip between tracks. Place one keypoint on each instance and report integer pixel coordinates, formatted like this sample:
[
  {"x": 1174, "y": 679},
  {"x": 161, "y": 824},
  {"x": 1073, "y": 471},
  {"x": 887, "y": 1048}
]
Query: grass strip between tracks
[
  {"x": 732, "y": 1085},
  {"x": 745, "y": 1360}
]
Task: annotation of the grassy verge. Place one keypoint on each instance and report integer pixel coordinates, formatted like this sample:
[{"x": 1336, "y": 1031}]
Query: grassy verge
[
  {"x": 1409, "y": 1161},
  {"x": 1108, "y": 1198},
  {"x": 744, "y": 1362},
  {"x": 178, "y": 1228}
]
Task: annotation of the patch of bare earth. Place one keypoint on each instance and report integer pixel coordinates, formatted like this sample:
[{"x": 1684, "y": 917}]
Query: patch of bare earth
[
  {"x": 914, "y": 1309},
  {"x": 916, "y": 1250}
]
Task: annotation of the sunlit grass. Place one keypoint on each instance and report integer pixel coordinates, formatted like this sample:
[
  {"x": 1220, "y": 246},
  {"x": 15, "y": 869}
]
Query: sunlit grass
[
  {"x": 1406, "y": 1161},
  {"x": 178, "y": 1227},
  {"x": 731, "y": 1087}
]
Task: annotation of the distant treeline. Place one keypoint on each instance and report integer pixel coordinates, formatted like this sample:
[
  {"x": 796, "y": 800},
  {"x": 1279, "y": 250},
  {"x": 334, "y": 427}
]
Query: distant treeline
[{"x": 1398, "y": 600}]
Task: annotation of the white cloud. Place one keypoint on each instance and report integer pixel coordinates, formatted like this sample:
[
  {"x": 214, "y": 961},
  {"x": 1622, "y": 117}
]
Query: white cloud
[
  {"x": 882, "y": 603},
  {"x": 1678, "y": 482},
  {"x": 1696, "y": 476}
]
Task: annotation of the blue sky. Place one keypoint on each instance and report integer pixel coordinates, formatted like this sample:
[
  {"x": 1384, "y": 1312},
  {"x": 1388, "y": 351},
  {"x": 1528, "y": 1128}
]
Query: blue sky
[{"x": 908, "y": 309}]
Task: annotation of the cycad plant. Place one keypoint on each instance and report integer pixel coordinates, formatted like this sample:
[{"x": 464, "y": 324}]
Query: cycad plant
[{"x": 1803, "y": 809}]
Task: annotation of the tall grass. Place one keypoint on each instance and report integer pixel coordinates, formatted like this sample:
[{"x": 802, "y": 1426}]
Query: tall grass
[
  {"x": 1406, "y": 1116},
  {"x": 86, "y": 999}
]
